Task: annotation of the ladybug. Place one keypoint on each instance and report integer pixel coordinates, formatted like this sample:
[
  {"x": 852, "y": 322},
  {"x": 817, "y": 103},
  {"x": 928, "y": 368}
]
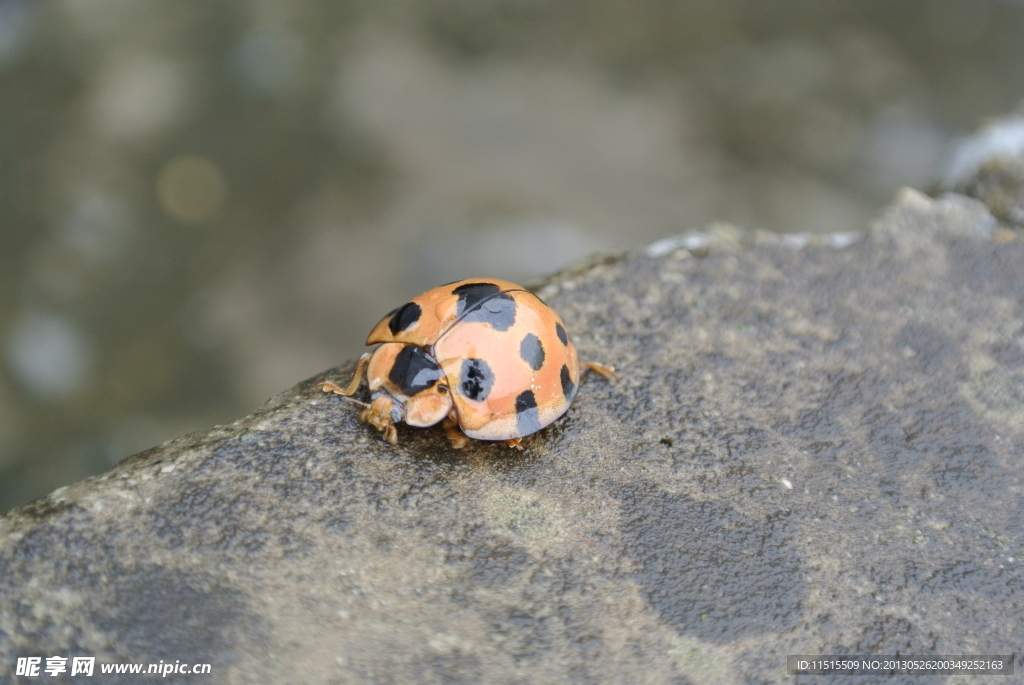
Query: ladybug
[{"x": 486, "y": 357}]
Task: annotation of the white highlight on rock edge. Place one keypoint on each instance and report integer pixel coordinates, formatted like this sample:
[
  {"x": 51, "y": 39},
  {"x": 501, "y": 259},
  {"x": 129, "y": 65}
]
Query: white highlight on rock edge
[{"x": 1004, "y": 138}]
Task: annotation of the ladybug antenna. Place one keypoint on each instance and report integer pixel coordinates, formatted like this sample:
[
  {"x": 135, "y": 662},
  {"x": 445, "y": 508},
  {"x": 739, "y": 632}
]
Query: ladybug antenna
[{"x": 354, "y": 401}]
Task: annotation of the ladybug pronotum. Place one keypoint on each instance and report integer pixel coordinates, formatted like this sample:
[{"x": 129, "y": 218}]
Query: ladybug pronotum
[{"x": 486, "y": 357}]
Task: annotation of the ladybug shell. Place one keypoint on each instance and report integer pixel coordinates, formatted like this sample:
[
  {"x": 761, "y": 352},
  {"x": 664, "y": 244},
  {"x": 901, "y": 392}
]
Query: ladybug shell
[
  {"x": 512, "y": 369},
  {"x": 505, "y": 356},
  {"x": 422, "y": 320}
]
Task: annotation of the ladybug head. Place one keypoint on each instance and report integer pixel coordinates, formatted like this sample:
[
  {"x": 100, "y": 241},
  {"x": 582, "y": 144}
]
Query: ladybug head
[{"x": 409, "y": 375}]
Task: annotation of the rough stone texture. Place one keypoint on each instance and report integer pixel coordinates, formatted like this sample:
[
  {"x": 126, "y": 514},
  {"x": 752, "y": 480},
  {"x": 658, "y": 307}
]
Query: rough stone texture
[
  {"x": 815, "y": 448},
  {"x": 1000, "y": 185}
]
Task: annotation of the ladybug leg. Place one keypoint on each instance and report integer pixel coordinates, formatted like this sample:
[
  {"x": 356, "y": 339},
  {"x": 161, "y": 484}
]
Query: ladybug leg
[
  {"x": 378, "y": 415},
  {"x": 357, "y": 378},
  {"x": 514, "y": 443},
  {"x": 458, "y": 439},
  {"x": 607, "y": 371}
]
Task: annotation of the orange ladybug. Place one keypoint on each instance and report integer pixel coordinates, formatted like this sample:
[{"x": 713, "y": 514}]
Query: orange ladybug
[{"x": 486, "y": 357}]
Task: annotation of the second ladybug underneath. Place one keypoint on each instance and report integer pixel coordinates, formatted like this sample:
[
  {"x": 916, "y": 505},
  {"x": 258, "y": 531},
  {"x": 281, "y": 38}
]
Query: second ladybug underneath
[{"x": 486, "y": 357}]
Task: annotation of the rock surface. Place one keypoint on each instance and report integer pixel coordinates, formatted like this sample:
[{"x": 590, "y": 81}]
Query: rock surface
[
  {"x": 989, "y": 166},
  {"x": 815, "y": 448}
]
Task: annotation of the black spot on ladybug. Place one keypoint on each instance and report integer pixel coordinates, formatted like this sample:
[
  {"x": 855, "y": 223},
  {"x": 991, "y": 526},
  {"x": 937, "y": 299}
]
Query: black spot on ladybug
[
  {"x": 499, "y": 312},
  {"x": 483, "y": 303},
  {"x": 532, "y": 351},
  {"x": 568, "y": 387},
  {"x": 404, "y": 316},
  {"x": 561, "y": 334},
  {"x": 525, "y": 400},
  {"x": 472, "y": 294},
  {"x": 414, "y": 371},
  {"x": 477, "y": 379},
  {"x": 527, "y": 417}
]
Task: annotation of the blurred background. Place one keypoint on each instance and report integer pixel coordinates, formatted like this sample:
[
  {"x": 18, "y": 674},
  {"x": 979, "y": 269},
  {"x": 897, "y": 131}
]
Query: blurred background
[{"x": 204, "y": 202}]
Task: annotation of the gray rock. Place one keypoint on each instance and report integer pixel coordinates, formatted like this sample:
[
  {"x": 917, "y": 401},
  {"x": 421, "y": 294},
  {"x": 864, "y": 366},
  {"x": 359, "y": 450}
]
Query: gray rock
[
  {"x": 989, "y": 166},
  {"x": 815, "y": 448}
]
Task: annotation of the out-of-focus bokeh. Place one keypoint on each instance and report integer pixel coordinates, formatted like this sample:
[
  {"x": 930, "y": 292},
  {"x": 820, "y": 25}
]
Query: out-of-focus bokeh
[{"x": 202, "y": 203}]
